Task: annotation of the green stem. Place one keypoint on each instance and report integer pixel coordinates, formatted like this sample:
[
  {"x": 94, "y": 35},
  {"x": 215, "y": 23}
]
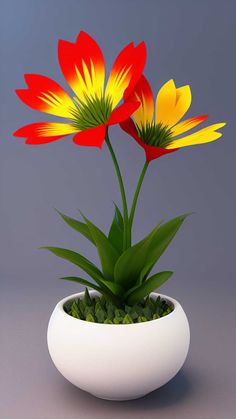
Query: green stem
[
  {"x": 126, "y": 240},
  {"x": 135, "y": 199}
]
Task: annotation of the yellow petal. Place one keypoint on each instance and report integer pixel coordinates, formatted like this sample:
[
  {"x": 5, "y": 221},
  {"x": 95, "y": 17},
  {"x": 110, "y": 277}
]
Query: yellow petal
[
  {"x": 165, "y": 102},
  {"x": 188, "y": 124},
  {"x": 117, "y": 83},
  {"x": 205, "y": 135},
  {"x": 48, "y": 129},
  {"x": 89, "y": 83},
  {"x": 183, "y": 102}
]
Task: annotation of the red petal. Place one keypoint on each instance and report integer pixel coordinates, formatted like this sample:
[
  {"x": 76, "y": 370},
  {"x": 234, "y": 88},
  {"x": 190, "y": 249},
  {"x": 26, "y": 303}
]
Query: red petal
[
  {"x": 123, "y": 112},
  {"x": 143, "y": 93},
  {"x": 129, "y": 127},
  {"x": 39, "y": 133},
  {"x": 152, "y": 152},
  {"x": 92, "y": 137},
  {"x": 138, "y": 67},
  {"x": 45, "y": 95},
  {"x": 126, "y": 71},
  {"x": 75, "y": 58}
]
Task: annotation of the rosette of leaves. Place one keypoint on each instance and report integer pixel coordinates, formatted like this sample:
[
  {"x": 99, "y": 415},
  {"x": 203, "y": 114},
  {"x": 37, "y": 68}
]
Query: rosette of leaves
[
  {"x": 124, "y": 275},
  {"x": 102, "y": 310}
]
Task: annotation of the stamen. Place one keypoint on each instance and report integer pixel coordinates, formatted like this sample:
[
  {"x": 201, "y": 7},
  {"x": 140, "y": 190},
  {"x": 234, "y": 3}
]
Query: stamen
[
  {"x": 158, "y": 135},
  {"x": 93, "y": 111}
]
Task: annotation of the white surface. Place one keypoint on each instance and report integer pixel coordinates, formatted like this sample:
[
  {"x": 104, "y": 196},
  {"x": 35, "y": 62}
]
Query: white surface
[{"x": 118, "y": 362}]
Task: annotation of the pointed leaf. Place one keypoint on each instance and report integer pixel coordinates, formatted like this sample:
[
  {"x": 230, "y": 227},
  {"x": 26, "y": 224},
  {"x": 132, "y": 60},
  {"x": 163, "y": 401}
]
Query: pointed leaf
[
  {"x": 142, "y": 319},
  {"x": 100, "y": 315},
  {"x": 90, "y": 318},
  {"x": 82, "y": 282},
  {"x": 148, "y": 286},
  {"x": 132, "y": 261},
  {"x": 107, "y": 253},
  {"x": 105, "y": 286},
  {"x": 75, "y": 310},
  {"x": 116, "y": 231},
  {"x": 127, "y": 319},
  {"x": 160, "y": 241},
  {"x": 108, "y": 287},
  {"x": 78, "y": 260},
  {"x": 87, "y": 298},
  {"x": 118, "y": 320},
  {"x": 82, "y": 228}
]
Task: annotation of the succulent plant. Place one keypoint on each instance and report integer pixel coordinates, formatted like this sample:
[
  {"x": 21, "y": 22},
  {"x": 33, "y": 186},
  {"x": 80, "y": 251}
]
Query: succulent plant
[{"x": 101, "y": 310}]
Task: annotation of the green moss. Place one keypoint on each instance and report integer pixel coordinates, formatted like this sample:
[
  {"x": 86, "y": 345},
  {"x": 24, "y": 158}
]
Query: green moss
[{"x": 100, "y": 310}]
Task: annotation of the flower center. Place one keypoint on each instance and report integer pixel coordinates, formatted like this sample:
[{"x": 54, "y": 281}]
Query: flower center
[
  {"x": 94, "y": 111},
  {"x": 157, "y": 135}
]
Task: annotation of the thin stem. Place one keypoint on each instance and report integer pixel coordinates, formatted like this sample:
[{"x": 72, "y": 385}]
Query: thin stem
[
  {"x": 136, "y": 194},
  {"x": 126, "y": 241}
]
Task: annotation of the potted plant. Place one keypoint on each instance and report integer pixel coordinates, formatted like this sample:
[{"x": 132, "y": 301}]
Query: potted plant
[{"x": 118, "y": 339}]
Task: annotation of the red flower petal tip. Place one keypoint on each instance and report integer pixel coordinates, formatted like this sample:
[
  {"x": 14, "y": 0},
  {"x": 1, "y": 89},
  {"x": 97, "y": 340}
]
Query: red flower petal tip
[{"x": 92, "y": 137}]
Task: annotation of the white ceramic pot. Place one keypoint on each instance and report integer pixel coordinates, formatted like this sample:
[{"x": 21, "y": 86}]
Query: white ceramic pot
[{"x": 118, "y": 362}]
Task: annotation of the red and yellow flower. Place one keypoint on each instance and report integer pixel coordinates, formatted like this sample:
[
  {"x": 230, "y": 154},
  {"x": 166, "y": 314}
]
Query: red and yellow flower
[
  {"x": 94, "y": 106},
  {"x": 157, "y": 128}
]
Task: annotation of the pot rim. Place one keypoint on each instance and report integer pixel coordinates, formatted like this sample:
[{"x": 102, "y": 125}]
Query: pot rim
[{"x": 60, "y": 308}]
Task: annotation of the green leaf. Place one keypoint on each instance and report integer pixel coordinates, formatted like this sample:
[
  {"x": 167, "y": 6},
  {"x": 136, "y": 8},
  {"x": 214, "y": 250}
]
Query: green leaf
[
  {"x": 82, "y": 282},
  {"x": 116, "y": 230},
  {"x": 150, "y": 304},
  {"x": 74, "y": 310},
  {"x": 147, "y": 312},
  {"x": 132, "y": 261},
  {"x": 111, "y": 286},
  {"x": 117, "y": 320},
  {"x": 100, "y": 315},
  {"x": 98, "y": 305},
  {"x": 108, "y": 321},
  {"x": 78, "y": 260},
  {"x": 82, "y": 228},
  {"x": 87, "y": 298},
  {"x": 119, "y": 313},
  {"x": 159, "y": 242},
  {"x": 142, "y": 319},
  {"x": 86, "y": 265},
  {"x": 107, "y": 253},
  {"x": 127, "y": 319},
  {"x": 148, "y": 286},
  {"x": 90, "y": 318},
  {"x": 146, "y": 253},
  {"x": 133, "y": 313},
  {"x": 110, "y": 312},
  {"x": 116, "y": 289}
]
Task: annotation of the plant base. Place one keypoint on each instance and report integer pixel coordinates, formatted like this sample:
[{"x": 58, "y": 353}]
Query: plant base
[{"x": 118, "y": 361}]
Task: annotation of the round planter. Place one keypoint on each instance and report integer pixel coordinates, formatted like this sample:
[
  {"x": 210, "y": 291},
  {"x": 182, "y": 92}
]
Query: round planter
[{"x": 118, "y": 362}]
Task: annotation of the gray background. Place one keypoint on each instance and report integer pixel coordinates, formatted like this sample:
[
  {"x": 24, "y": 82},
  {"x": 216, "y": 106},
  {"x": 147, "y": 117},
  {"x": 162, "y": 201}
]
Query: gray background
[{"x": 194, "y": 42}]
